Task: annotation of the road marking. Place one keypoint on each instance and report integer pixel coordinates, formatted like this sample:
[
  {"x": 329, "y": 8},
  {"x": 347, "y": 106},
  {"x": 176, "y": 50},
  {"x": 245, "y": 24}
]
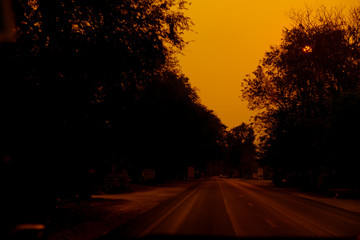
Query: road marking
[
  {"x": 271, "y": 223},
  {"x": 234, "y": 222},
  {"x": 250, "y": 204},
  {"x": 162, "y": 218},
  {"x": 287, "y": 213},
  {"x": 186, "y": 209}
]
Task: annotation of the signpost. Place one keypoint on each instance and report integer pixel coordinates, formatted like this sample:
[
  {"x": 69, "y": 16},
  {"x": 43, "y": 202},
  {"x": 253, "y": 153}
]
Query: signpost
[
  {"x": 7, "y": 22},
  {"x": 191, "y": 172},
  {"x": 148, "y": 175}
]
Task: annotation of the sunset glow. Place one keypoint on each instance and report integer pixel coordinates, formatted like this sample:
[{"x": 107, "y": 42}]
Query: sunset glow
[{"x": 229, "y": 39}]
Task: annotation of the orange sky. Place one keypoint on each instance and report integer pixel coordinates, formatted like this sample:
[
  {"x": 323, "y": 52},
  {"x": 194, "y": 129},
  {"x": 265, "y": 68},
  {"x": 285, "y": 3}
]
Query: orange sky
[{"x": 230, "y": 37}]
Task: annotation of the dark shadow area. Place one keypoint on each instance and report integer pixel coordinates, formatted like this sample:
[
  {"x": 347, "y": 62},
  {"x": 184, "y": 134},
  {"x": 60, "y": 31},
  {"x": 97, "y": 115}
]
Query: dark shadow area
[
  {"x": 93, "y": 100},
  {"x": 200, "y": 237},
  {"x": 307, "y": 93}
]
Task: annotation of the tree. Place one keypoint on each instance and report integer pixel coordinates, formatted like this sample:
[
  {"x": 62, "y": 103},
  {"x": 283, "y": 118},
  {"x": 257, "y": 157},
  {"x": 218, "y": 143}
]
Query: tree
[
  {"x": 241, "y": 149},
  {"x": 340, "y": 142},
  {"x": 104, "y": 78},
  {"x": 294, "y": 87},
  {"x": 172, "y": 128},
  {"x": 72, "y": 80}
]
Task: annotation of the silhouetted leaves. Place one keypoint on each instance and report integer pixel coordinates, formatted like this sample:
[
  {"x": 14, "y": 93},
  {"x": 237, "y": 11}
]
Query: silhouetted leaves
[
  {"x": 241, "y": 149},
  {"x": 93, "y": 88},
  {"x": 295, "y": 89}
]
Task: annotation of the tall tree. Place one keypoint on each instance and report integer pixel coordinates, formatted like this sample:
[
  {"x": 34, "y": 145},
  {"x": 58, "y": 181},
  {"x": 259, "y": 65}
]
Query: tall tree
[
  {"x": 241, "y": 149},
  {"x": 72, "y": 80},
  {"x": 297, "y": 81}
]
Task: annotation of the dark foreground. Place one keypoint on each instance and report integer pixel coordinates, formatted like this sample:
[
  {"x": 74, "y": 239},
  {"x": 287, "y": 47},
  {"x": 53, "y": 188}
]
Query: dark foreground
[{"x": 229, "y": 208}]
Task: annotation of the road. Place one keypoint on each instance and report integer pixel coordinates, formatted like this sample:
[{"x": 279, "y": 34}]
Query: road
[{"x": 234, "y": 208}]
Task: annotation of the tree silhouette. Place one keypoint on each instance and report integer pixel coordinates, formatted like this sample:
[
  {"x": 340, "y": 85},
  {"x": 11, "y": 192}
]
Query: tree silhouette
[
  {"x": 296, "y": 85},
  {"x": 89, "y": 85},
  {"x": 241, "y": 149},
  {"x": 94, "y": 85}
]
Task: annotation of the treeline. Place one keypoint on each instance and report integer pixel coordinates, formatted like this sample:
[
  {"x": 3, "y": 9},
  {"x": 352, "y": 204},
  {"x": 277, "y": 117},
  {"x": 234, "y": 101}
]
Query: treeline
[
  {"x": 306, "y": 92},
  {"x": 91, "y": 91},
  {"x": 92, "y": 88}
]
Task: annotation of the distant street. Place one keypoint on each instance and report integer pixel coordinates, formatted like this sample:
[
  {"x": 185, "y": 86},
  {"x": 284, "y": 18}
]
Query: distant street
[{"x": 231, "y": 208}]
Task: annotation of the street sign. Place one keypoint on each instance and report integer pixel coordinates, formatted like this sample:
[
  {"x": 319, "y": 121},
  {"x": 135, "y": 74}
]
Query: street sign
[
  {"x": 148, "y": 174},
  {"x": 191, "y": 172},
  {"x": 7, "y": 21}
]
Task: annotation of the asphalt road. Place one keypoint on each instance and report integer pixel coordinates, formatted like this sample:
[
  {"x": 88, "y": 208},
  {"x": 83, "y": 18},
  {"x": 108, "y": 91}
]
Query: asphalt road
[{"x": 233, "y": 208}]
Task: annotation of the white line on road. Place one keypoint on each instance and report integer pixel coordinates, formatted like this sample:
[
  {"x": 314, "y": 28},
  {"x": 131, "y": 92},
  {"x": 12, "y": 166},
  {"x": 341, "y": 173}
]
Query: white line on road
[
  {"x": 287, "y": 213},
  {"x": 235, "y": 224},
  {"x": 271, "y": 223},
  {"x": 181, "y": 217},
  {"x": 162, "y": 218}
]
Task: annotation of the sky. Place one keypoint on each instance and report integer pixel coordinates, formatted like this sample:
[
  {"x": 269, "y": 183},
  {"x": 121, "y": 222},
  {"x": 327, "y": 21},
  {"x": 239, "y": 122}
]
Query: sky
[{"x": 228, "y": 40}]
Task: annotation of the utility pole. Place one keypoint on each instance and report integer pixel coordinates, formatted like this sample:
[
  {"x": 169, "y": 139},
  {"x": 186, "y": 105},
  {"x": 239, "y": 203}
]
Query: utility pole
[{"x": 7, "y": 22}]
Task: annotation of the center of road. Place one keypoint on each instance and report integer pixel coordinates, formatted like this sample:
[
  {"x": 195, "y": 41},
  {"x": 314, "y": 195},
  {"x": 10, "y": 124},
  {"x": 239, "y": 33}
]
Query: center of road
[
  {"x": 161, "y": 219},
  {"x": 234, "y": 208},
  {"x": 235, "y": 224}
]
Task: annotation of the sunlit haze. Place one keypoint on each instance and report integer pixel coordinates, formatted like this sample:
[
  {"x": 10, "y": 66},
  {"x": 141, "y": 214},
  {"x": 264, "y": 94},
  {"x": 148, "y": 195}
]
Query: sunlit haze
[{"x": 229, "y": 39}]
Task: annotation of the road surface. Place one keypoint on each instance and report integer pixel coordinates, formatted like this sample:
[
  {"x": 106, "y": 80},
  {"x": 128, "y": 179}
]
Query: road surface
[{"x": 234, "y": 208}]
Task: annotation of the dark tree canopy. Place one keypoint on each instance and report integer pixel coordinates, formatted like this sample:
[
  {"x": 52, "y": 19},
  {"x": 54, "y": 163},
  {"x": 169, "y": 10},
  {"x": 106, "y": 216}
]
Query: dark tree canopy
[
  {"x": 95, "y": 87},
  {"x": 241, "y": 149},
  {"x": 297, "y": 84}
]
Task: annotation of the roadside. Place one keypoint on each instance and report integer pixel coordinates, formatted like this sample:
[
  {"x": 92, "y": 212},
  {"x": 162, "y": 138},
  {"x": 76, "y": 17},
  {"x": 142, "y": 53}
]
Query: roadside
[
  {"x": 349, "y": 204},
  {"x": 102, "y": 213},
  {"x": 352, "y": 205}
]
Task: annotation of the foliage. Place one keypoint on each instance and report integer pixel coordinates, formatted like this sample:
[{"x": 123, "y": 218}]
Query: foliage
[
  {"x": 241, "y": 149},
  {"x": 91, "y": 86},
  {"x": 298, "y": 83}
]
